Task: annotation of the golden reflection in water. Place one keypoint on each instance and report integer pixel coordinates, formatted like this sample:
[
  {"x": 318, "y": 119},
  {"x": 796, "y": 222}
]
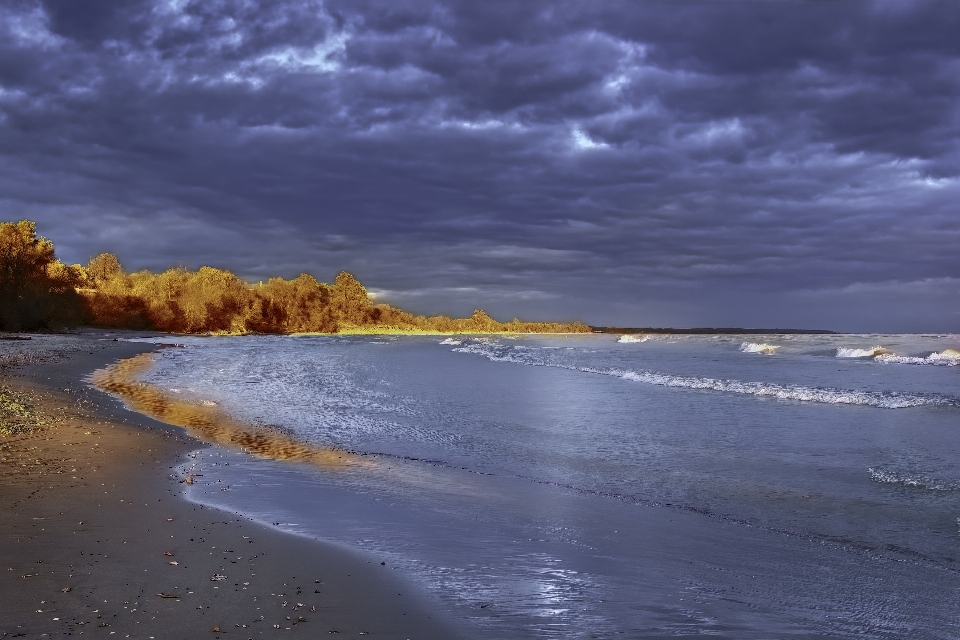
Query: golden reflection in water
[{"x": 209, "y": 423}]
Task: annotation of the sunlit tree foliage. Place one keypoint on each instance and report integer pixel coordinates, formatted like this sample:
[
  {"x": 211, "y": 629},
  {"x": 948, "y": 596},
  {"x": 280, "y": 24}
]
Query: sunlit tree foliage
[{"x": 37, "y": 291}]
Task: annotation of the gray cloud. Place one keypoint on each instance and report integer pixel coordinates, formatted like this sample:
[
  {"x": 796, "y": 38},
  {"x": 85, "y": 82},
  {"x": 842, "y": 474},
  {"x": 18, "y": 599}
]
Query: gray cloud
[{"x": 638, "y": 163}]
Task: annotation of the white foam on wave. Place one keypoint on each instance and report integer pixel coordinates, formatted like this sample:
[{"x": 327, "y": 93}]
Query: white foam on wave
[
  {"x": 762, "y": 347},
  {"x": 626, "y": 339},
  {"x": 945, "y": 358},
  {"x": 884, "y": 476},
  {"x": 843, "y": 352},
  {"x": 451, "y": 341},
  {"x": 498, "y": 353},
  {"x": 947, "y": 354},
  {"x": 879, "y": 399}
]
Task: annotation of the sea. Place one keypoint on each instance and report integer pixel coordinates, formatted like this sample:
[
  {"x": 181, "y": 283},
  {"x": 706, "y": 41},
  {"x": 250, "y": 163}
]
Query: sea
[{"x": 605, "y": 486}]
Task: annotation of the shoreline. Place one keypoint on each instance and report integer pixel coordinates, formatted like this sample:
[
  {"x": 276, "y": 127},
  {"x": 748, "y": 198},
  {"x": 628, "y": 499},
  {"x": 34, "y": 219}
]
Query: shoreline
[{"x": 98, "y": 540}]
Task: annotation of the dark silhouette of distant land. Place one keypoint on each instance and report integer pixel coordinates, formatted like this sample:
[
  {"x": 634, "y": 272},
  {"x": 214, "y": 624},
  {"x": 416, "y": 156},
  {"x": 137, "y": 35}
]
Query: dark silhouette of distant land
[{"x": 709, "y": 331}]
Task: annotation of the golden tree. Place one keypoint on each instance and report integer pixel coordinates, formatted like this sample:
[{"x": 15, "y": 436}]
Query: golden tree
[{"x": 36, "y": 290}]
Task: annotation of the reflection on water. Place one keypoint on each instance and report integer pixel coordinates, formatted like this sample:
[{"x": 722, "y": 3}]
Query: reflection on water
[{"x": 207, "y": 422}]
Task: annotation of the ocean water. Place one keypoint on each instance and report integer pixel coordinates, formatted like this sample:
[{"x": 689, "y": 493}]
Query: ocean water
[{"x": 596, "y": 487}]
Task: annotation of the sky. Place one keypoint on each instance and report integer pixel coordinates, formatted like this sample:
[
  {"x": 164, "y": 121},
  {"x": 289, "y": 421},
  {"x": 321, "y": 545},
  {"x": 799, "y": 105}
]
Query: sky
[{"x": 767, "y": 164}]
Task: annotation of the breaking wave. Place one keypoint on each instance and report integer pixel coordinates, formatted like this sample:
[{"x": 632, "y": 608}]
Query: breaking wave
[
  {"x": 753, "y": 347},
  {"x": 947, "y": 357},
  {"x": 919, "y": 482},
  {"x": 880, "y": 399},
  {"x": 825, "y": 395},
  {"x": 633, "y": 338},
  {"x": 861, "y": 353},
  {"x": 451, "y": 341}
]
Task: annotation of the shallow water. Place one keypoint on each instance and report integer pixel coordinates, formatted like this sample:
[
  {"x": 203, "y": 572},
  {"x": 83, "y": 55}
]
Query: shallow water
[{"x": 742, "y": 487}]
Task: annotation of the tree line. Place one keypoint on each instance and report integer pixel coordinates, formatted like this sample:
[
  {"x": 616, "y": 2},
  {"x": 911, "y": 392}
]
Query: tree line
[{"x": 38, "y": 292}]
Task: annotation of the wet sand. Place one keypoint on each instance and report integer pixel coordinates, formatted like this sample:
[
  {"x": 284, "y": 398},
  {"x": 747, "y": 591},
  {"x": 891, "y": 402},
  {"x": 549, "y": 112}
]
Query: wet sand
[{"x": 95, "y": 539}]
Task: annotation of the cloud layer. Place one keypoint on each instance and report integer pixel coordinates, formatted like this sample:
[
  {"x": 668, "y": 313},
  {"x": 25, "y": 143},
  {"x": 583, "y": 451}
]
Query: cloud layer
[{"x": 692, "y": 163}]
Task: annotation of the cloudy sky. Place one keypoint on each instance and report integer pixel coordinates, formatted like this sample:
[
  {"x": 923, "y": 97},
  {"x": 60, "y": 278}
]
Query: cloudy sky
[{"x": 722, "y": 163}]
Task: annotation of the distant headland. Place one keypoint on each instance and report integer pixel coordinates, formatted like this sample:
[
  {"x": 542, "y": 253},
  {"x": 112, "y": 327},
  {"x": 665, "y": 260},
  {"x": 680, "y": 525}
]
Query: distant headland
[{"x": 710, "y": 331}]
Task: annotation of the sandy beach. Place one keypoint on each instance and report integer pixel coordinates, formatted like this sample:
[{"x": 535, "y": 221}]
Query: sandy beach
[{"x": 95, "y": 539}]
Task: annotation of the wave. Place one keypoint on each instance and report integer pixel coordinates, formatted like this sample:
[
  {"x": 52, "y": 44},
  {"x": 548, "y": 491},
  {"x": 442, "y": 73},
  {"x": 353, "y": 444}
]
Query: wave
[
  {"x": 879, "y": 399},
  {"x": 451, "y": 341},
  {"x": 883, "y": 476},
  {"x": 861, "y": 353},
  {"x": 753, "y": 347},
  {"x": 499, "y": 353},
  {"x": 947, "y": 357},
  {"x": 633, "y": 338},
  {"x": 824, "y": 395}
]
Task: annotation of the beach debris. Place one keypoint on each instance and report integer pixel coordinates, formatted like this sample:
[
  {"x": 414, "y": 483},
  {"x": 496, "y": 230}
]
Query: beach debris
[
  {"x": 67, "y": 589},
  {"x": 173, "y": 562},
  {"x": 168, "y": 595},
  {"x": 216, "y": 629},
  {"x": 168, "y": 553},
  {"x": 188, "y": 479},
  {"x": 18, "y": 414},
  {"x": 215, "y": 577}
]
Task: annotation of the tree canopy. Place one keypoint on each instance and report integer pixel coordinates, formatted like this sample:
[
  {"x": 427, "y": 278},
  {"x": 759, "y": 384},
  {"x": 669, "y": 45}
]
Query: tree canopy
[{"x": 38, "y": 291}]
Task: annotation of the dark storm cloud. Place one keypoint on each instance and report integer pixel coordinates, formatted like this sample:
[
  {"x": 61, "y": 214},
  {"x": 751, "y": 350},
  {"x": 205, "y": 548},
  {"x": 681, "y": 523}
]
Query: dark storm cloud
[{"x": 647, "y": 163}]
